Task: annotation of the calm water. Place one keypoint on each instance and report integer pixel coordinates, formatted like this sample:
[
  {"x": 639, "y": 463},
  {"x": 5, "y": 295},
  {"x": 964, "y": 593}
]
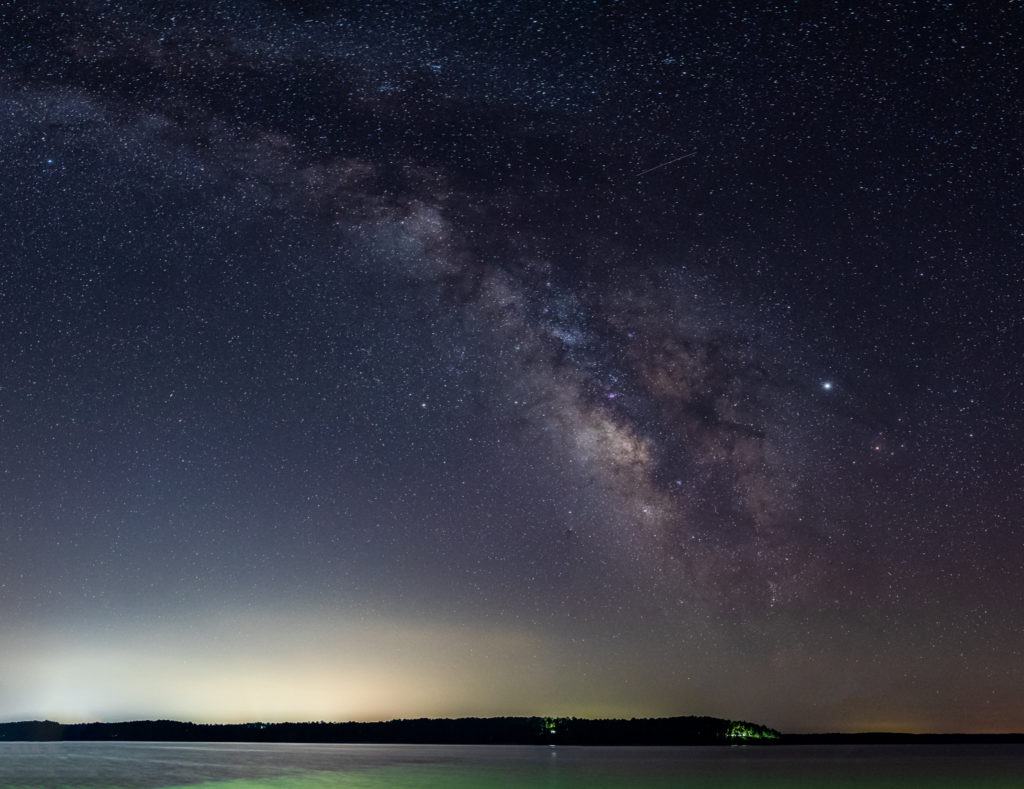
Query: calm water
[{"x": 242, "y": 765}]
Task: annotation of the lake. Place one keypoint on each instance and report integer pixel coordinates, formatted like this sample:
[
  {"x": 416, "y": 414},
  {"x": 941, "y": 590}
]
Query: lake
[{"x": 105, "y": 765}]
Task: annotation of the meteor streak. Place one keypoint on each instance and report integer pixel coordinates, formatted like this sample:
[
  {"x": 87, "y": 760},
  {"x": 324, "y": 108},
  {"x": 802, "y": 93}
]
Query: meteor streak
[{"x": 666, "y": 164}]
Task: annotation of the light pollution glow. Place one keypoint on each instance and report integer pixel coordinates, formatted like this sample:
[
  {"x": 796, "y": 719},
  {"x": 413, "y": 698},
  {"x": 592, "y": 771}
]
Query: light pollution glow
[
  {"x": 243, "y": 667},
  {"x": 240, "y": 666}
]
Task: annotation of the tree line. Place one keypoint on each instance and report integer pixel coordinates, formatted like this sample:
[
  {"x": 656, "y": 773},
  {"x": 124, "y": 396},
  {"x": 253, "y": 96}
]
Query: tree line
[{"x": 689, "y": 730}]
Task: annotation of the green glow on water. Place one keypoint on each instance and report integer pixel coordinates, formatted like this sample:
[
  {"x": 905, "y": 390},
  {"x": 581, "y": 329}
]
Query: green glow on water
[
  {"x": 390, "y": 778},
  {"x": 436, "y": 777},
  {"x": 475, "y": 778}
]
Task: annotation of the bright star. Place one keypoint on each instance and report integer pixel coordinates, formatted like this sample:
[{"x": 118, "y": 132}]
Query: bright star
[{"x": 827, "y": 386}]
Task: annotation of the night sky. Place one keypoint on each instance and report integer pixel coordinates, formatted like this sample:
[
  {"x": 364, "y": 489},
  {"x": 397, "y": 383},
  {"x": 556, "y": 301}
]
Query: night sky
[{"x": 402, "y": 359}]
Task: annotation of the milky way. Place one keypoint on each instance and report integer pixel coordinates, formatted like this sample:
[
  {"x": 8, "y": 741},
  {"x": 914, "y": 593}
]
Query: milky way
[{"x": 512, "y": 360}]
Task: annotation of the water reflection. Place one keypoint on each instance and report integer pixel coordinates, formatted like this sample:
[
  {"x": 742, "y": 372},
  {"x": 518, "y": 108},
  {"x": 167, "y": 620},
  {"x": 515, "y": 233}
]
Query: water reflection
[{"x": 277, "y": 766}]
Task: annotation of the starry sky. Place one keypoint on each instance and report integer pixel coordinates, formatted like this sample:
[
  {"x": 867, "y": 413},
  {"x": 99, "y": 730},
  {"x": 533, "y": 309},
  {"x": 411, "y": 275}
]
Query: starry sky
[{"x": 375, "y": 360}]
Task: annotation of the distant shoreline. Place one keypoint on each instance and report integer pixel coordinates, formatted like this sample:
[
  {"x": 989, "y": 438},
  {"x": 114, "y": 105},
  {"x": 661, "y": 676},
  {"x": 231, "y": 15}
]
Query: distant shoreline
[
  {"x": 688, "y": 730},
  {"x": 899, "y": 738}
]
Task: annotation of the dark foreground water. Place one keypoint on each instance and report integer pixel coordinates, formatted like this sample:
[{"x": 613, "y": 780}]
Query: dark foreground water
[{"x": 103, "y": 765}]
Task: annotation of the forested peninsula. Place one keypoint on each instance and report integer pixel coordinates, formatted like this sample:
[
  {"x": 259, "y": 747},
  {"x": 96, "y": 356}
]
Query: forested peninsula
[{"x": 688, "y": 730}]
